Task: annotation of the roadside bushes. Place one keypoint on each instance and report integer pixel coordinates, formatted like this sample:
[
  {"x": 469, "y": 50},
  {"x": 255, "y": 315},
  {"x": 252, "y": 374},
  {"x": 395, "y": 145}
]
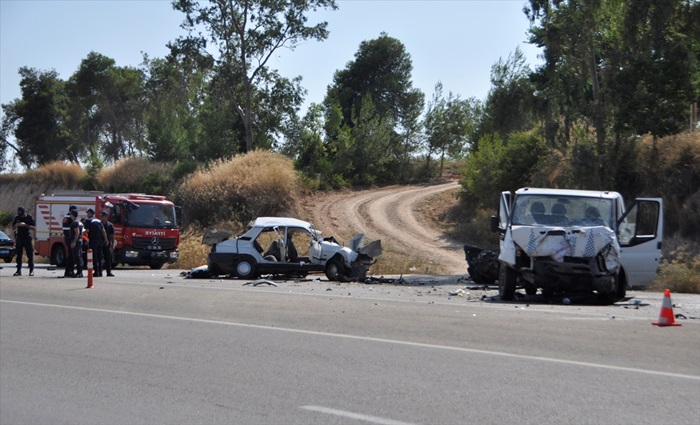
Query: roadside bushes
[
  {"x": 259, "y": 183},
  {"x": 137, "y": 174}
]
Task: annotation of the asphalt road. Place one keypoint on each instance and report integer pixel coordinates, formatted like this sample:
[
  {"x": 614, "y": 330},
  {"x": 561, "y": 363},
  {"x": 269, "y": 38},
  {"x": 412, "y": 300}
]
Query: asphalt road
[{"x": 149, "y": 347}]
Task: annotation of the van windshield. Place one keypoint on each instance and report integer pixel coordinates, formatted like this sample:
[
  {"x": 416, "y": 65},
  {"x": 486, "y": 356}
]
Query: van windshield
[{"x": 562, "y": 211}]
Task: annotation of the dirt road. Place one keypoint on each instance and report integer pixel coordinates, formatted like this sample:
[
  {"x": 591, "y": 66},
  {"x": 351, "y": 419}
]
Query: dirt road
[{"x": 389, "y": 214}]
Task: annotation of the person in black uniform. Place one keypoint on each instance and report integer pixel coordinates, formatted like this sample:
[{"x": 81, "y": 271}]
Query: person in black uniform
[
  {"x": 107, "y": 250},
  {"x": 96, "y": 240},
  {"x": 22, "y": 225},
  {"x": 76, "y": 243},
  {"x": 67, "y": 237}
]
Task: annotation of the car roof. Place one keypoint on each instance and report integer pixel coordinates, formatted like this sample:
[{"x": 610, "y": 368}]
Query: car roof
[
  {"x": 567, "y": 192},
  {"x": 4, "y": 235},
  {"x": 280, "y": 222}
]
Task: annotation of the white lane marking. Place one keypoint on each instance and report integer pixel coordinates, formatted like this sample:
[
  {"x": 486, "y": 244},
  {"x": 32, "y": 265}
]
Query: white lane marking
[
  {"x": 351, "y": 415},
  {"x": 365, "y": 338}
]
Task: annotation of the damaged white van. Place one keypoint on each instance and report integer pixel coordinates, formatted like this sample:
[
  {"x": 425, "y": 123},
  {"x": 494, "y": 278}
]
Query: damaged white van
[{"x": 566, "y": 241}]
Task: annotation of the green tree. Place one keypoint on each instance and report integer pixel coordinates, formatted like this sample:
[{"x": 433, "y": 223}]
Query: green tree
[
  {"x": 657, "y": 64},
  {"x": 382, "y": 68},
  {"x": 510, "y": 104},
  {"x": 379, "y": 79},
  {"x": 176, "y": 89},
  {"x": 448, "y": 123},
  {"x": 107, "y": 108},
  {"x": 247, "y": 33},
  {"x": 37, "y": 120}
]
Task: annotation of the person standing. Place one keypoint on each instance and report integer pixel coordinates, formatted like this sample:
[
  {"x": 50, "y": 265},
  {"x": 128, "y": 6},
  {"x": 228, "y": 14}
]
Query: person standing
[
  {"x": 109, "y": 243},
  {"x": 69, "y": 262},
  {"x": 96, "y": 237},
  {"x": 23, "y": 224},
  {"x": 76, "y": 243}
]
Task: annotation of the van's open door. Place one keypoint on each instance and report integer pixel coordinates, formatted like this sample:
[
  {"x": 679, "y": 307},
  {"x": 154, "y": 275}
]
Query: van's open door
[{"x": 640, "y": 232}]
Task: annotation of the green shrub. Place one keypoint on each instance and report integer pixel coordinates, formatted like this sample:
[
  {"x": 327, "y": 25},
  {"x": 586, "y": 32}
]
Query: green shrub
[{"x": 6, "y": 218}]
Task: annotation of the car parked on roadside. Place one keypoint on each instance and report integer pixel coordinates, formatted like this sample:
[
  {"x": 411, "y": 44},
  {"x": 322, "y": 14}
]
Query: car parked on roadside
[
  {"x": 289, "y": 247},
  {"x": 7, "y": 247}
]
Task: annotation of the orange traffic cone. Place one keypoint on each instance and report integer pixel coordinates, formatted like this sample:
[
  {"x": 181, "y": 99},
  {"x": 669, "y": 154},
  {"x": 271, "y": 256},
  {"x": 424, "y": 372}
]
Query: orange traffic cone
[{"x": 666, "y": 315}]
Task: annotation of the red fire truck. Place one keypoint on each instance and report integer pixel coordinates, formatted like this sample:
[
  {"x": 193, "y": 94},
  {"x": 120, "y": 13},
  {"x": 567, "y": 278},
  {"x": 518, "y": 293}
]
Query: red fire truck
[{"x": 145, "y": 226}]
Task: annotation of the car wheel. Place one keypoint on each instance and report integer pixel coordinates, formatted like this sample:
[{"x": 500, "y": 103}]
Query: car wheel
[
  {"x": 8, "y": 259},
  {"x": 334, "y": 269},
  {"x": 245, "y": 269},
  {"x": 156, "y": 266},
  {"x": 506, "y": 282},
  {"x": 58, "y": 255}
]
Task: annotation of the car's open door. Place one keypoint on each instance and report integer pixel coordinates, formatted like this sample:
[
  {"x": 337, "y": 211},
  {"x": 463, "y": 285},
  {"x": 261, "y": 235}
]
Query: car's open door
[{"x": 640, "y": 232}]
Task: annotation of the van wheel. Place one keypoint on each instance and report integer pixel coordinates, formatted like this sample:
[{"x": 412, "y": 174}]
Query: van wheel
[
  {"x": 617, "y": 295},
  {"x": 58, "y": 255},
  {"x": 506, "y": 282},
  {"x": 620, "y": 287}
]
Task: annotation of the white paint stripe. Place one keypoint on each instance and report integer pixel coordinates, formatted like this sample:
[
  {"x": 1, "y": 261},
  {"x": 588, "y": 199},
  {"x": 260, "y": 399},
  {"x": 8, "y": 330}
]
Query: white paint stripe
[
  {"x": 351, "y": 415},
  {"x": 364, "y": 338}
]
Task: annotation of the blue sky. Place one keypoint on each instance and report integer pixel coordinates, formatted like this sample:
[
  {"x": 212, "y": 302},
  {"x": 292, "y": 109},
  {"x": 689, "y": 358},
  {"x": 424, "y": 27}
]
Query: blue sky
[{"x": 455, "y": 41}]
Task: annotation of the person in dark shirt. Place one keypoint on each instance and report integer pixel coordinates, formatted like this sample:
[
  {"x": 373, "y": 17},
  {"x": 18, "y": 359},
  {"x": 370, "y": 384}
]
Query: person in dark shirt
[
  {"x": 107, "y": 247},
  {"x": 76, "y": 243},
  {"x": 23, "y": 224},
  {"x": 97, "y": 237},
  {"x": 67, "y": 237}
]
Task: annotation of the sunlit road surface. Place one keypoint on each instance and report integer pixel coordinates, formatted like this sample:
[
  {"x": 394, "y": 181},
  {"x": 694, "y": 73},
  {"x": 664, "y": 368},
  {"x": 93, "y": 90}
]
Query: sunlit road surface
[{"x": 153, "y": 348}]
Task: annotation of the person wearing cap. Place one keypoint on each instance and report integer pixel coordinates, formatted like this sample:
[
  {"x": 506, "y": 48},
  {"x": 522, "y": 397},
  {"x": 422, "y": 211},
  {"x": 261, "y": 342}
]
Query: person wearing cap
[
  {"x": 23, "y": 224},
  {"x": 107, "y": 247},
  {"x": 76, "y": 243},
  {"x": 97, "y": 237},
  {"x": 69, "y": 262}
]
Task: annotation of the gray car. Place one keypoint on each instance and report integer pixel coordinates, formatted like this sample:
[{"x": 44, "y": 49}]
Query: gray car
[{"x": 289, "y": 247}]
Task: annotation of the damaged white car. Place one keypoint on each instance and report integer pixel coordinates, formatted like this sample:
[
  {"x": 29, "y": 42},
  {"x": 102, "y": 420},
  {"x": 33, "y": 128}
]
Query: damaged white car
[
  {"x": 563, "y": 241},
  {"x": 289, "y": 247}
]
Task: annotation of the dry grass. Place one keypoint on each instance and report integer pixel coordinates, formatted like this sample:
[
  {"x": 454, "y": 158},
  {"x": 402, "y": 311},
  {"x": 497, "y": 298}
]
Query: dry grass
[
  {"x": 129, "y": 174},
  {"x": 392, "y": 262},
  {"x": 680, "y": 268},
  {"x": 58, "y": 174},
  {"x": 259, "y": 183},
  {"x": 192, "y": 252}
]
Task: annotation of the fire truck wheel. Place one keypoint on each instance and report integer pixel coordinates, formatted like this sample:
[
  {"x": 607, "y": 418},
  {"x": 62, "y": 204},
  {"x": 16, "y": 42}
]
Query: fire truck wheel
[{"x": 58, "y": 256}]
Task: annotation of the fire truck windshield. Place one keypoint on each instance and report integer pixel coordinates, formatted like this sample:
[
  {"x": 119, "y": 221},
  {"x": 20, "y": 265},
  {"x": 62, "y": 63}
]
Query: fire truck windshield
[{"x": 152, "y": 216}]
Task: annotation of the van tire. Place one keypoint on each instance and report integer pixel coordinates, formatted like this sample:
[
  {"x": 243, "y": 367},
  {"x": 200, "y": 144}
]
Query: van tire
[{"x": 506, "y": 282}]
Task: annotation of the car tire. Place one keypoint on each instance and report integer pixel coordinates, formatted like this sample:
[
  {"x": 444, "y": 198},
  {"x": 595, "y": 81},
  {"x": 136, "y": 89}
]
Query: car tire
[
  {"x": 58, "y": 255},
  {"x": 156, "y": 266},
  {"x": 8, "y": 259},
  {"x": 334, "y": 269},
  {"x": 506, "y": 282},
  {"x": 245, "y": 268}
]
